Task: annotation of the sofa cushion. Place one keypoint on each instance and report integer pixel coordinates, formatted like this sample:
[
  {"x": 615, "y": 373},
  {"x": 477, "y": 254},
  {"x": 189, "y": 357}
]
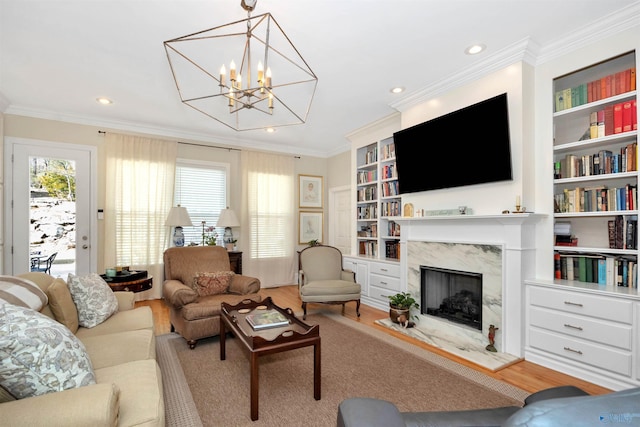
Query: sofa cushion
[
  {"x": 212, "y": 283},
  {"x": 62, "y": 306},
  {"x": 141, "y": 394},
  {"x": 22, "y": 292},
  {"x": 39, "y": 355},
  {"x": 121, "y": 347},
  {"x": 93, "y": 298},
  {"x": 128, "y": 320}
]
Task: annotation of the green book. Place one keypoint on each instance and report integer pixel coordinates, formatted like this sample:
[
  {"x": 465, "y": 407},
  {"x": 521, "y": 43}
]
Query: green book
[
  {"x": 582, "y": 269},
  {"x": 589, "y": 268}
]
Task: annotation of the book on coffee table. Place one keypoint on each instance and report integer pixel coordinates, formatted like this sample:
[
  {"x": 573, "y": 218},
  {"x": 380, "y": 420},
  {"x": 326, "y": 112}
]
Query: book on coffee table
[{"x": 267, "y": 319}]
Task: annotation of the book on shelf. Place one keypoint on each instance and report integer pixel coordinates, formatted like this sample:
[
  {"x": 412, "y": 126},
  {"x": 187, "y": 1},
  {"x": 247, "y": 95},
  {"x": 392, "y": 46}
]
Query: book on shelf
[
  {"x": 596, "y": 268},
  {"x": 267, "y": 319},
  {"x": 607, "y": 86}
]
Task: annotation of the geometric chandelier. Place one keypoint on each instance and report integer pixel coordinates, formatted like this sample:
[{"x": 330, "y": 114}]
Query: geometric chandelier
[{"x": 246, "y": 74}]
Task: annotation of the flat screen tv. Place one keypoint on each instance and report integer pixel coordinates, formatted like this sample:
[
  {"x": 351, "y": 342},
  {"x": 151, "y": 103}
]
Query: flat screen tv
[{"x": 466, "y": 147}]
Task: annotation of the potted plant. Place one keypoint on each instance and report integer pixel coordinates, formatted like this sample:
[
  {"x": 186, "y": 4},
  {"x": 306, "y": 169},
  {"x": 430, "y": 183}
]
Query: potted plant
[{"x": 401, "y": 304}]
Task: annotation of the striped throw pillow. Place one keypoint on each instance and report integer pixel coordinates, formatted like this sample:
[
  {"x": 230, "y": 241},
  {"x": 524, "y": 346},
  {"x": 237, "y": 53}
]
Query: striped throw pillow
[{"x": 22, "y": 292}]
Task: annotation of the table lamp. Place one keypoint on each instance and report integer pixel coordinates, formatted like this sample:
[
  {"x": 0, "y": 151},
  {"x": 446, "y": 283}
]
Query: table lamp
[
  {"x": 228, "y": 219},
  {"x": 178, "y": 217}
]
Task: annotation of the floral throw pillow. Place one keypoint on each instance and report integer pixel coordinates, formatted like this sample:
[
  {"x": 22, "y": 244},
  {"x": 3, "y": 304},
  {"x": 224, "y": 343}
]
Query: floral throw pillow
[
  {"x": 212, "y": 283},
  {"x": 39, "y": 355},
  {"x": 93, "y": 298}
]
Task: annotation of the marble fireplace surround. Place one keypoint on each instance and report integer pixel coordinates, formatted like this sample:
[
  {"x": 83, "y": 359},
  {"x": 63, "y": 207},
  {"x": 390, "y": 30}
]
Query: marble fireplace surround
[{"x": 501, "y": 247}]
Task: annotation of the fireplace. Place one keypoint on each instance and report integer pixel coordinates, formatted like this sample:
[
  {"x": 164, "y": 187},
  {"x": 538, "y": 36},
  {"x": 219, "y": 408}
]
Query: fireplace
[{"x": 452, "y": 294}]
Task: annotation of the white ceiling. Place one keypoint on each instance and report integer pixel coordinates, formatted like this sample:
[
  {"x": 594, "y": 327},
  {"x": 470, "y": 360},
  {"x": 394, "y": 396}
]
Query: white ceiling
[{"x": 57, "y": 57}]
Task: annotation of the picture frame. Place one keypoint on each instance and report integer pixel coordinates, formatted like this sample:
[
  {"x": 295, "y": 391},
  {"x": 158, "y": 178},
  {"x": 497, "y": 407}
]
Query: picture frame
[
  {"x": 310, "y": 191},
  {"x": 310, "y": 226}
]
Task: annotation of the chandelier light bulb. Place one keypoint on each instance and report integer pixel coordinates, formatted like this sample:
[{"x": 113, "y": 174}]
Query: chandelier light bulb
[
  {"x": 223, "y": 72},
  {"x": 232, "y": 71},
  {"x": 268, "y": 84},
  {"x": 239, "y": 82},
  {"x": 260, "y": 72}
]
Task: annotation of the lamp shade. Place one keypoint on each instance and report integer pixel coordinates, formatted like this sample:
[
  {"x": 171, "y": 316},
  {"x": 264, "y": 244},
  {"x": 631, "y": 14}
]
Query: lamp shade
[
  {"x": 227, "y": 218},
  {"x": 178, "y": 217}
]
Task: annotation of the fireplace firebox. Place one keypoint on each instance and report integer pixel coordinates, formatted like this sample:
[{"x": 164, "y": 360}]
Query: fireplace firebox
[{"x": 452, "y": 295}]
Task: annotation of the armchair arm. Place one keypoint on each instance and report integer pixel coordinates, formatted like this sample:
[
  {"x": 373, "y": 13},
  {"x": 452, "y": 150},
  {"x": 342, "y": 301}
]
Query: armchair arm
[
  {"x": 177, "y": 294},
  {"x": 243, "y": 285},
  {"x": 92, "y": 405},
  {"x": 301, "y": 279},
  {"x": 348, "y": 275}
]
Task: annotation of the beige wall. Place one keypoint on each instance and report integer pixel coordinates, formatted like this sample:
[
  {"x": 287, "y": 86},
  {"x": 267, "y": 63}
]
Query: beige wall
[{"x": 58, "y": 131}]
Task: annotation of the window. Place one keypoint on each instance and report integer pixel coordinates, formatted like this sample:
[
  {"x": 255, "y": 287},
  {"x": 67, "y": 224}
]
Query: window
[{"x": 202, "y": 188}]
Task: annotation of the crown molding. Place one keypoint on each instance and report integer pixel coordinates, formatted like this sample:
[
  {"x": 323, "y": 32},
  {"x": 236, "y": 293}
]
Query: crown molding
[
  {"x": 205, "y": 139},
  {"x": 529, "y": 51},
  {"x": 4, "y": 103},
  {"x": 523, "y": 50}
]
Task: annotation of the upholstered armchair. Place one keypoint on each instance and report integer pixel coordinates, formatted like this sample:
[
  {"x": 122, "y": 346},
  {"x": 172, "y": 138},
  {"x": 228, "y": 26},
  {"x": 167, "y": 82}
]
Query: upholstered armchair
[
  {"x": 197, "y": 280},
  {"x": 322, "y": 279}
]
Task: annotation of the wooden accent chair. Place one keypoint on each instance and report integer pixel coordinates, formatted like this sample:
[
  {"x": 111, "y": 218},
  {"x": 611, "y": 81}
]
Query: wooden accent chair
[{"x": 323, "y": 280}]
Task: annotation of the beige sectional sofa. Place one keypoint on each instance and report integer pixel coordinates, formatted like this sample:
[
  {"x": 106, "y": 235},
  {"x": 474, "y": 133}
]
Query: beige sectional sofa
[{"x": 122, "y": 349}]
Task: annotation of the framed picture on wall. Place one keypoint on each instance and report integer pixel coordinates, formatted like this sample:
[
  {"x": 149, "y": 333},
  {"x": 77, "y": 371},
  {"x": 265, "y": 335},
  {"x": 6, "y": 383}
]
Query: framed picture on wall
[
  {"x": 310, "y": 191},
  {"x": 311, "y": 226}
]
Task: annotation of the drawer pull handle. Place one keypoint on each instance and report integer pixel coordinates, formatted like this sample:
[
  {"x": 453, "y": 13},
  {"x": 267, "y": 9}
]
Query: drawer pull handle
[
  {"x": 566, "y": 325},
  {"x": 383, "y": 269},
  {"x": 572, "y": 350},
  {"x": 383, "y": 283},
  {"x": 573, "y": 303}
]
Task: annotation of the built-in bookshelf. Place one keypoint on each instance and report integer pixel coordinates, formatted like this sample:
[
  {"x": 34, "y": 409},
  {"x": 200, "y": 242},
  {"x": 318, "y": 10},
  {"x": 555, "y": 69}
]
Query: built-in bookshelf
[
  {"x": 596, "y": 174},
  {"x": 377, "y": 200}
]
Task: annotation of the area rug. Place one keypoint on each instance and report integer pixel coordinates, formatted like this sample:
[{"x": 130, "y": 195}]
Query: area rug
[{"x": 357, "y": 360}]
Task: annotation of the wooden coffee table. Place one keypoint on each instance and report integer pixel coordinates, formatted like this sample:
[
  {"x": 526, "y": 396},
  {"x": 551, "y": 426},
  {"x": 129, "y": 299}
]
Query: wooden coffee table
[{"x": 268, "y": 341}]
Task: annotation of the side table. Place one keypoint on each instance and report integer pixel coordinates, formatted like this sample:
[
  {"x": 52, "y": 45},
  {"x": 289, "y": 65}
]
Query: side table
[
  {"x": 235, "y": 259},
  {"x": 133, "y": 286}
]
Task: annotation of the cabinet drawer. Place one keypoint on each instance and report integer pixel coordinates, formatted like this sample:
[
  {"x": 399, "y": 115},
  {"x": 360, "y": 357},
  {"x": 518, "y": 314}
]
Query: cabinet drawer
[
  {"x": 385, "y": 269},
  {"x": 391, "y": 283},
  {"x": 380, "y": 294},
  {"x": 615, "y": 334},
  {"x": 599, "y": 356},
  {"x": 587, "y": 305}
]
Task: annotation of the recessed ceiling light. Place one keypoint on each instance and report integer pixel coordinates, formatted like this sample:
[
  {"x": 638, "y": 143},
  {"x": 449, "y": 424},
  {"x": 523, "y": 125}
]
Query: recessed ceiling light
[
  {"x": 475, "y": 49},
  {"x": 104, "y": 101},
  {"x": 397, "y": 89},
  {"x": 270, "y": 130}
]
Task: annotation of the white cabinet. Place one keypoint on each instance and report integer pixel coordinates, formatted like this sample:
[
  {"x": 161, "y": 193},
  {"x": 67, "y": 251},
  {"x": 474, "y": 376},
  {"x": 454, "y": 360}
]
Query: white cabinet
[
  {"x": 379, "y": 279},
  {"x": 584, "y": 331},
  {"x": 361, "y": 269}
]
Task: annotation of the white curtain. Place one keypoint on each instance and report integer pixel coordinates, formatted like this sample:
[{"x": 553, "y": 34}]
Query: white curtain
[
  {"x": 139, "y": 194},
  {"x": 268, "y": 220}
]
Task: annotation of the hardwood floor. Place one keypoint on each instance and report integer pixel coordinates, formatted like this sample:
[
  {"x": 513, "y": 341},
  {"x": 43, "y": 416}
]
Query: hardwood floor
[{"x": 526, "y": 375}]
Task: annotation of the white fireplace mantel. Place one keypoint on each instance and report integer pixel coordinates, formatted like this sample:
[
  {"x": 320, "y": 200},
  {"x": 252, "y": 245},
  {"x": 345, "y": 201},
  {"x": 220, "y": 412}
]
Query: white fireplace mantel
[{"x": 514, "y": 232}]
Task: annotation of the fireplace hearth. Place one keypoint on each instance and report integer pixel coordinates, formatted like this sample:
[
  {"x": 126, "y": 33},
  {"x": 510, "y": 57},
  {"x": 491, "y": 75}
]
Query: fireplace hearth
[{"x": 452, "y": 295}]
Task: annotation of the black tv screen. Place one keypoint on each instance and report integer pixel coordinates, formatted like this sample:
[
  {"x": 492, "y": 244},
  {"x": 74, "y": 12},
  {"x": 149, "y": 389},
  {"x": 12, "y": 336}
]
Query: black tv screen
[{"x": 466, "y": 147}]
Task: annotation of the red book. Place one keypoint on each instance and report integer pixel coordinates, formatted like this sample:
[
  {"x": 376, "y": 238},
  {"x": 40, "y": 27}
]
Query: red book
[
  {"x": 617, "y": 118},
  {"x": 626, "y": 82},
  {"x": 590, "y": 92},
  {"x": 557, "y": 265},
  {"x": 608, "y": 120},
  {"x": 632, "y": 80},
  {"x": 608, "y": 86},
  {"x": 634, "y": 114},
  {"x": 626, "y": 116}
]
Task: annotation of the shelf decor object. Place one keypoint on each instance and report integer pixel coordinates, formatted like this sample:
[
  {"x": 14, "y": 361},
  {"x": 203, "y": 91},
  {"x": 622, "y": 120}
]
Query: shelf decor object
[
  {"x": 245, "y": 74},
  {"x": 178, "y": 217}
]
